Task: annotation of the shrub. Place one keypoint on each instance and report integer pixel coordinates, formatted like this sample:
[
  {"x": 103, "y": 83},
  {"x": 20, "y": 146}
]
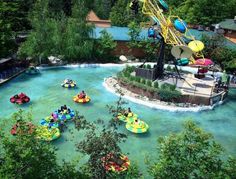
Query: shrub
[
  {"x": 119, "y": 74},
  {"x": 155, "y": 85},
  {"x": 148, "y": 66},
  {"x": 149, "y": 82},
  {"x": 168, "y": 95},
  {"x": 132, "y": 78},
  {"x": 143, "y": 81},
  {"x": 138, "y": 79},
  {"x": 168, "y": 68},
  {"x": 167, "y": 86},
  {"x": 174, "y": 69}
]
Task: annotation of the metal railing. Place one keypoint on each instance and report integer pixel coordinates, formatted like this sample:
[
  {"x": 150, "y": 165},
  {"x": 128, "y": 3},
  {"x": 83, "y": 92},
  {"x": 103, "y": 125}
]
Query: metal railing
[{"x": 10, "y": 72}]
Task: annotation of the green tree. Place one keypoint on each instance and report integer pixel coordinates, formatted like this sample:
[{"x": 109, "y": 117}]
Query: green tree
[
  {"x": 24, "y": 156},
  {"x": 149, "y": 46},
  {"x": 134, "y": 33},
  {"x": 16, "y": 12},
  {"x": 102, "y": 8},
  {"x": 121, "y": 15},
  {"x": 6, "y": 39},
  {"x": 191, "y": 153},
  {"x": 105, "y": 45},
  {"x": 102, "y": 140},
  {"x": 77, "y": 42},
  {"x": 204, "y": 12},
  {"x": 67, "y": 37},
  {"x": 215, "y": 48},
  {"x": 118, "y": 14}
]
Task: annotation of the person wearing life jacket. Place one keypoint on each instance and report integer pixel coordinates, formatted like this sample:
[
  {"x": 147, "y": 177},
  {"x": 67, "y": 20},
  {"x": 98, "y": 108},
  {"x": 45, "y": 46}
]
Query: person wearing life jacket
[
  {"x": 151, "y": 32},
  {"x": 82, "y": 94}
]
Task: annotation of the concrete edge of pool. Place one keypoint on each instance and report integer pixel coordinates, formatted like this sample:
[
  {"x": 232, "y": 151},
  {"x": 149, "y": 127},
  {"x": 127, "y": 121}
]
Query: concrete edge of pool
[{"x": 158, "y": 104}]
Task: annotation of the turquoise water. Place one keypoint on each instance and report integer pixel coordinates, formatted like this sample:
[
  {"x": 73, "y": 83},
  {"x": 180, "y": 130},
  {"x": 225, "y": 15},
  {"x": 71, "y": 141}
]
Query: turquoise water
[{"x": 47, "y": 95}]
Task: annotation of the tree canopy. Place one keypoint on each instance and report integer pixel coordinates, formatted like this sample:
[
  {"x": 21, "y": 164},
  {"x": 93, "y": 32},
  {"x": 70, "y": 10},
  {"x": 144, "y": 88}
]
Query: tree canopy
[
  {"x": 25, "y": 156},
  {"x": 192, "y": 153},
  {"x": 64, "y": 36}
]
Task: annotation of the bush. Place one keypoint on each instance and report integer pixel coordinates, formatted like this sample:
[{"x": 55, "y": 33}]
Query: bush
[
  {"x": 167, "y": 86},
  {"x": 149, "y": 82},
  {"x": 119, "y": 74},
  {"x": 130, "y": 69},
  {"x": 168, "y": 68},
  {"x": 168, "y": 95},
  {"x": 143, "y": 81},
  {"x": 155, "y": 85},
  {"x": 126, "y": 74},
  {"x": 138, "y": 79},
  {"x": 144, "y": 66},
  {"x": 132, "y": 78},
  {"x": 148, "y": 66}
]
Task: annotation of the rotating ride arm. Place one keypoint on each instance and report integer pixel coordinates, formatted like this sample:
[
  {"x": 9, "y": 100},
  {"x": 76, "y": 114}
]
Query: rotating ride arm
[{"x": 172, "y": 36}]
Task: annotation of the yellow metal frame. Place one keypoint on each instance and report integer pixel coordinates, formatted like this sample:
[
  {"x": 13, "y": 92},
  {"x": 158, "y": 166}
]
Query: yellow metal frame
[{"x": 170, "y": 34}]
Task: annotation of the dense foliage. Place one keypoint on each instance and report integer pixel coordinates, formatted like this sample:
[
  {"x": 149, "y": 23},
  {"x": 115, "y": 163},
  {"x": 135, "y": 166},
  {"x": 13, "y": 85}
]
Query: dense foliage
[
  {"x": 104, "y": 46},
  {"x": 215, "y": 48},
  {"x": 121, "y": 15},
  {"x": 67, "y": 37},
  {"x": 24, "y": 156},
  {"x": 203, "y": 12},
  {"x": 192, "y": 153},
  {"x": 102, "y": 139},
  {"x": 149, "y": 46},
  {"x": 59, "y": 27}
]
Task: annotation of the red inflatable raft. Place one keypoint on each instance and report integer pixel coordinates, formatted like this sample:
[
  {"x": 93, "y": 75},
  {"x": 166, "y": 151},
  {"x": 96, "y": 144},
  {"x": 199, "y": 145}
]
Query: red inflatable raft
[
  {"x": 20, "y": 98},
  {"x": 115, "y": 164}
]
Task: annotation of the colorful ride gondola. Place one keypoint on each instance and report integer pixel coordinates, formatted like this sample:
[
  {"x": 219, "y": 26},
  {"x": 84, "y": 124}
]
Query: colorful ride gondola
[
  {"x": 180, "y": 25},
  {"x": 183, "y": 62}
]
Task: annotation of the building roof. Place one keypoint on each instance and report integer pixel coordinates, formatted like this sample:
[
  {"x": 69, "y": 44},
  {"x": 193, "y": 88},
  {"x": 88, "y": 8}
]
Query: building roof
[
  {"x": 228, "y": 24},
  {"x": 118, "y": 33},
  {"x": 91, "y": 17},
  {"x": 3, "y": 60},
  {"x": 121, "y": 34}
]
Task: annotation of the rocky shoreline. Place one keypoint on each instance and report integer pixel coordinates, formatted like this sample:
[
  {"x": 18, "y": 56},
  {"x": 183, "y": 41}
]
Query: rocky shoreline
[{"x": 111, "y": 84}]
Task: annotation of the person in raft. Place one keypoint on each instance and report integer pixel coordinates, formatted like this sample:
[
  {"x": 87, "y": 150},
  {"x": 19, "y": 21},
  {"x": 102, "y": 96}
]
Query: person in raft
[
  {"x": 137, "y": 121},
  {"x": 126, "y": 113},
  {"x": 54, "y": 117},
  {"x": 67, "y": 81},
  {"x": 82, "y": 94},
  {"x": 151, "y": 32}
]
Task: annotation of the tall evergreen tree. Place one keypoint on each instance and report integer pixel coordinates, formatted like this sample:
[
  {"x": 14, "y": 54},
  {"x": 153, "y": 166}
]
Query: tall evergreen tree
[{"x": 206, "y": 12}]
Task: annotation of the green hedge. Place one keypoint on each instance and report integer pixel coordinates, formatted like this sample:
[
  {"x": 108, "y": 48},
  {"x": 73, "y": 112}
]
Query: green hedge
[
  {"x": 168, "y": 95},
  {"x": 167, "y": 86},
  {"x": 156, "y": 84},
  {"x": 149, "y": 82},
  {"x": 167, "y": 92}
]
